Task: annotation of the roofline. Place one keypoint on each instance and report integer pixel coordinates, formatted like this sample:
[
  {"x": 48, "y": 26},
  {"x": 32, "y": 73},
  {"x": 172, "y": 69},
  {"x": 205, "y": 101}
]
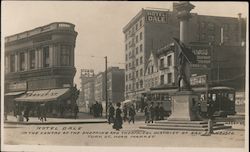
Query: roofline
[{"x": 127, "y": 26}]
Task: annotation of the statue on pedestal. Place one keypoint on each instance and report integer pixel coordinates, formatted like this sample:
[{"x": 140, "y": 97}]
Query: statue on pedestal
[{"x": 185, "y": 58}]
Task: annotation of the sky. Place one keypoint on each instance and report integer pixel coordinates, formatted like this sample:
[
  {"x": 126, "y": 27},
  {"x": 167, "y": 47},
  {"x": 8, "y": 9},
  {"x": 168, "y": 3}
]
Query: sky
[{"x": 98, "y": 23}]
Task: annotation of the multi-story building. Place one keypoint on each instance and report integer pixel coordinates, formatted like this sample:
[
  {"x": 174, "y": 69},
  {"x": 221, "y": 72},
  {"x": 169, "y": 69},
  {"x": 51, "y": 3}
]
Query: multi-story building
[
  {"x": 115, "y": 87},
  {"x": 100, "y": 87},
  {"x": 39, "y": 68},
  {"x": 151, "y": 29},
  {"x": 87, "y": 77}
]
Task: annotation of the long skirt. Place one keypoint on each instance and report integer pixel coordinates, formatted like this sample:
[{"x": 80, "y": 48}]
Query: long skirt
[{"x": 117, "y": 123}]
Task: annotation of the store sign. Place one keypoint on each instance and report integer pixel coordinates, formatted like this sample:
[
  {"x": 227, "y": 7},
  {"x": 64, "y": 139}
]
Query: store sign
[
  {"x": 157, "y": 16},
  {"x": 203, "y": 55},
  {"x": 198, "y": 80},
  {"x": 20, "y": 86},
  {"x": 87, "y": 72}
]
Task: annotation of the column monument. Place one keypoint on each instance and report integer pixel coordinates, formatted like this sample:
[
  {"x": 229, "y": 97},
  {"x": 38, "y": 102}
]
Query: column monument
[{"x": 184, "y": 99}]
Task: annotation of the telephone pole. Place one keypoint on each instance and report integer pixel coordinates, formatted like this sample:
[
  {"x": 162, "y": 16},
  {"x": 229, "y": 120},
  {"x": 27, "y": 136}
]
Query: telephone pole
[{"x": 106, "y": 85}]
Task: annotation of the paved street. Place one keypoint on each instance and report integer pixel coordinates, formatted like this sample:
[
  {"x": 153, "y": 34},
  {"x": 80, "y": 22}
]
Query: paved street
[{"x": 130, "y": 135}]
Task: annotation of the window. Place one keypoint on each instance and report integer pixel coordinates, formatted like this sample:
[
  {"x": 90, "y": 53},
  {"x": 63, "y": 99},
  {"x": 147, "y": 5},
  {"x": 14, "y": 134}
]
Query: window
[
  {"x": 137, "y": 62},
  {"x": 152, "y": 69},
  {"x": 129, "y": 65},
  {"x": 65, "y": 55},
  {"x": 126, "y": 77},
  {"x": 140, "y": 23},
  {"x": 136, "y": 38},
  {"x": 129, "y": 76},
  {"x": 148, "y": 70},
  {"x": 126, "y": 47},
  {"x": 126, "y": 87},
  {"x": 46, "y": 56},
  {"x": 141, "y": 72},
  {"x": 169, "y": 77},
  {"x": 141, "y": 48},
  {"x": 32, "y": 59},
  {"x": 22, "y": 61},
  {"x": 136, "y": 50},
  {"x": 126, "y": 66},
  {"x": 141, "y": 83},
  {"x": 162, "y": 63},
  {"x": 202, "y": 25},
  {"x": 169, "y": 60},
  {"x": 126, "y": 57},
  {"x": 141, "y": 60},
  {"x": 211, "y": 26},
  {"x": 211, "y": 38},
  {"x": 140, "y": 35},
  {"x": 136, "y": 26},
  {"x": 136, "y": 74},
  {"x": 137, "y": 85},
  {"x": 12, "y": 63},
  {"x": 162, "y": 79}
]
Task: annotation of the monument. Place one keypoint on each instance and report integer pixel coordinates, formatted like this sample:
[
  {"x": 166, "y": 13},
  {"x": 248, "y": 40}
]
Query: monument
[{"x": 184, "y": 99}]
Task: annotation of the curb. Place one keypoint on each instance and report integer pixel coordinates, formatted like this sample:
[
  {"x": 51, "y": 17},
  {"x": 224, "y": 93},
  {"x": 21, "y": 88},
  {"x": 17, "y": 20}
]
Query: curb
[{"x": 54, "y": 123}]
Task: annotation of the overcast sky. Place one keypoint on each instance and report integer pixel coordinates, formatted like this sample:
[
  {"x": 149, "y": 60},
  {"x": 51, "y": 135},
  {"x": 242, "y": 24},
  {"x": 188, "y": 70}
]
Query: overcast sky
[{"x": 99, "y": 24}]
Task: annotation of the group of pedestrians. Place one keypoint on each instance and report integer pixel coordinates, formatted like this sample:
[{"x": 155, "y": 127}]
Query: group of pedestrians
[
  {"x": 153, "y": 113},
  {"x": 118, "y": 116},
  {"x": 96, "y": 109}
]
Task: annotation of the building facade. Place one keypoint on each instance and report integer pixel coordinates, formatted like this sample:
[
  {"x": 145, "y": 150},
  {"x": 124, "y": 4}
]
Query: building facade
[
  {"x": 39, "y": 67},
  {"x": 152, "y": 29}
]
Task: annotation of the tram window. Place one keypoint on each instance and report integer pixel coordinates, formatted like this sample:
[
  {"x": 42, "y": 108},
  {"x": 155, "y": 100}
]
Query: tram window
[
  {"x": 231, "y": 97},
  {"x": 214, "y": 97},
  {"x": 202, "y": 97}
]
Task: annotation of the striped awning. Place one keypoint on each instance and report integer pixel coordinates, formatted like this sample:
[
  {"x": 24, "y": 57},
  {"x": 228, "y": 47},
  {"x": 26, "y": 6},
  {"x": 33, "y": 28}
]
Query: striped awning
[
  {"x": 43, "y": 95},
  {"x": 14, "y": 93}
]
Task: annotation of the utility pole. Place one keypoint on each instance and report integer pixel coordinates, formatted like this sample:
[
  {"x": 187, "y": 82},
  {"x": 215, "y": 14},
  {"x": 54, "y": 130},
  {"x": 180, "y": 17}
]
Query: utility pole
[{"x": 106, "y": 85}]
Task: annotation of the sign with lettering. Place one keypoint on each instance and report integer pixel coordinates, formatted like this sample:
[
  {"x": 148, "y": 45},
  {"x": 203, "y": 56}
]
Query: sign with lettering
[
  {"x": 87, "y": 72},
  {"x": 203, "y": 54},
  {"x": 198, "y": 80},
  {"x": 20, "y": 86},
  {"x": 157, "y": 16}
]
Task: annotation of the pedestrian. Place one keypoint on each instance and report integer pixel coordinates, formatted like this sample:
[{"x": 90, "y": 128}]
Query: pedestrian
[
  {"x": 211, "y": 110},
  {"x": 161, "y": 111},
  {"x": 146, "y": 113},
  {"x": 125, "y": 113},
  {"x": 95, "y": 109},
  {"x": 26, "y": 113},
  {"x": 157, "y": 110},
  {"x": 39, "y": 112},
  {"x": 152, "y": 112},
  {"x": 132, "y": 114},
  {"x": 111, "y": 113},
  {"x": 100, "y": 109},
  {"x": 43, "y": 112},
  {"x": 76, "y": 110},
  {"x": 118, "y": 118}
]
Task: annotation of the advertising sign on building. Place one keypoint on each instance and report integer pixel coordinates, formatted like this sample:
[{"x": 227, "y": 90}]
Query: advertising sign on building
[
  {"x": 157, "y": 16},
  {"x": 19, "y": 86},
  {"x": 203, "y": 54},
  {"x": 198, "y": 80},
  {"x": 87, "y": 72}
]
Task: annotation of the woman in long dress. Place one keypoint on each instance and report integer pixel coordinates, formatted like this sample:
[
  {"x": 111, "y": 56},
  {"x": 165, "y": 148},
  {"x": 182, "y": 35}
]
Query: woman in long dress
[{"x": 118, "y": 118}]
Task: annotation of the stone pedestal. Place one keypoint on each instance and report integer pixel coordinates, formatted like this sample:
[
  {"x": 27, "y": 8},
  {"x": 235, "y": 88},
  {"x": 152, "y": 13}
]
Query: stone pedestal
[{"x": 183, "y": 103}]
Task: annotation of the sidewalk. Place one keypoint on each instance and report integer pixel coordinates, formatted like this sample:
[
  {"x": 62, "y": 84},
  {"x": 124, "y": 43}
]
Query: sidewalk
[{"x": 53, "y": 121}]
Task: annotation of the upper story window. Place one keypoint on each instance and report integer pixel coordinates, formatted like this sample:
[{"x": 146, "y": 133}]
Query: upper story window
[
  {"x": 12, "y": 63},
  {"x": 136, "y": 26},
  {"x": 141, "y": 72},
  {"x": 22, "y": 61},
  {"x": 140, "y": 35},
  {"x": 140, "y": 23},
  {"x": 136, "y": 50},
  {"x": 169, "y": 77},
  {"x": 203, "y": 25},
  {"x": 46, "y": 56},
  {"x": 136, "y": 39},
  {"x": 162, "y": 79},
  {"x": 211, "y": 26},
  {"x": 65, "y": 55},
  {"x": 141, "y": 60},
  {"x": 32, "y": 59},
  {"x": 169, "y": 60},
  {"x": 141, "y": 48},
  {"x": 161, "y": 62}
]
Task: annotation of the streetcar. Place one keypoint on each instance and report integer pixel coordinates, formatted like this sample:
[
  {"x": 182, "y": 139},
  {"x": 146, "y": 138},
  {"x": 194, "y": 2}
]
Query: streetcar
[
  {"x": 159, "y": 97},
  {"x": 222, "y": 98}
]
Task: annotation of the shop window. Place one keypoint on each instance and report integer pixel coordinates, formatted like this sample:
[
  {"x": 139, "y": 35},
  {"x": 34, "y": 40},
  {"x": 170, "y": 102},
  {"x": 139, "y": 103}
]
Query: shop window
[
  {"x": 46, "y": 56},
  {"x": 32, "y": 59},
  {"x": 65, "y": 55}
]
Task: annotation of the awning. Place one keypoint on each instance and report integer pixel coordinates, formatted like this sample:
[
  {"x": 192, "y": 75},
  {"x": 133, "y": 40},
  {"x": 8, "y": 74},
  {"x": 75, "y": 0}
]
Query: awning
[
  {"x": 14, "y": 93},
  {"x": 43, "y": 95}
]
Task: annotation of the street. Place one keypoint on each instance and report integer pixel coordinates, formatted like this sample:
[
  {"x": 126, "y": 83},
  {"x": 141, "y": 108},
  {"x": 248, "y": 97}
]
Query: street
[{"x": 102, "y": 134}]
